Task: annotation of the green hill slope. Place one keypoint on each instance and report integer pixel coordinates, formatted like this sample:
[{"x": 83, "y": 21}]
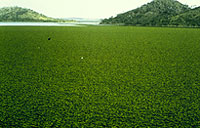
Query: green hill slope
[
  {"x": 155, "y": 13},
  {"x": 18, "y": 14},
  {"x": 190, "y": 18}
]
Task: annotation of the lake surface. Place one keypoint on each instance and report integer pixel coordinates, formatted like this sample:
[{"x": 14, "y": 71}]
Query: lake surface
[{"x": 46, "y": 24}]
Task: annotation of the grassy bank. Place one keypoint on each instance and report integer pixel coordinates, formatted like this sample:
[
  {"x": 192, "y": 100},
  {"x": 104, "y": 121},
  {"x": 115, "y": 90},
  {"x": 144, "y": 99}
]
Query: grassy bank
[{"x": 107, "y": 76}]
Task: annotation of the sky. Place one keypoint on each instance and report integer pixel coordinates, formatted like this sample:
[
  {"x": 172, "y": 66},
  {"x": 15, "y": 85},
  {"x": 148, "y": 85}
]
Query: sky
[{"x": 82, "y": 8}]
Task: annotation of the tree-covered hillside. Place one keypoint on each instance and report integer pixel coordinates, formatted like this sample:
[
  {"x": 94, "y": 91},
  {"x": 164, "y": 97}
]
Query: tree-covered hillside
[
  {"x": 189, "y": 18},
  {"x": 16, "y": 14},
  {"x": 157, "y": 13}
]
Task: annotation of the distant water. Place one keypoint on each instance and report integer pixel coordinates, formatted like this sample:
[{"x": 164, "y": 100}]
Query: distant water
[
  {"x": 46, "y": 24},
  {"x": 89, "y": 23},
  {"x": 35, "y": 24}
]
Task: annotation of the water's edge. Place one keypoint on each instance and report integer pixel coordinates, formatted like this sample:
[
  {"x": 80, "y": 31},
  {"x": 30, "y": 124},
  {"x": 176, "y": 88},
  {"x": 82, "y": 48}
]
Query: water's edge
[{"x": 46, "y": 23}]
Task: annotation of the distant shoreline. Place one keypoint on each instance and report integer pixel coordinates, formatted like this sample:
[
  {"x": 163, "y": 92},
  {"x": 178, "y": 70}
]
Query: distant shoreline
[{"x": 47, "y": 23}]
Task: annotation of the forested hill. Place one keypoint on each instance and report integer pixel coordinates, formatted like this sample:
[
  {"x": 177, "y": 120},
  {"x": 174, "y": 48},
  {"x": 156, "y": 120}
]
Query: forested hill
[
  {"x": 189, "y": 18},
  {"x": 158, "y": 13},
  {"x": 18, "y": 14}
]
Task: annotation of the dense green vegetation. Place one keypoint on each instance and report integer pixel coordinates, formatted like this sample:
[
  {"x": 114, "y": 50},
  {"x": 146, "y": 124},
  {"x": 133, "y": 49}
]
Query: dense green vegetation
[
  {"x": 158, "y": 13},
  {"x": 189, "y": 18},
  {"x": 18, "y": 14},
  {"x": 128, "y": 77}
]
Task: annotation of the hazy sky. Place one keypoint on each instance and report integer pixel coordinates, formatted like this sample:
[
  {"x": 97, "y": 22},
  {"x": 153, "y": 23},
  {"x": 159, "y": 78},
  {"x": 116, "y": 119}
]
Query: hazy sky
[{"x": 82, "y": 8}]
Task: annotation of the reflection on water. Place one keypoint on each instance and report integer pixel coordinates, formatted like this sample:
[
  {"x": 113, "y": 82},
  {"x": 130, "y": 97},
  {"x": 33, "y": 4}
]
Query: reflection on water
[{"x": 46, "y": 24}]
